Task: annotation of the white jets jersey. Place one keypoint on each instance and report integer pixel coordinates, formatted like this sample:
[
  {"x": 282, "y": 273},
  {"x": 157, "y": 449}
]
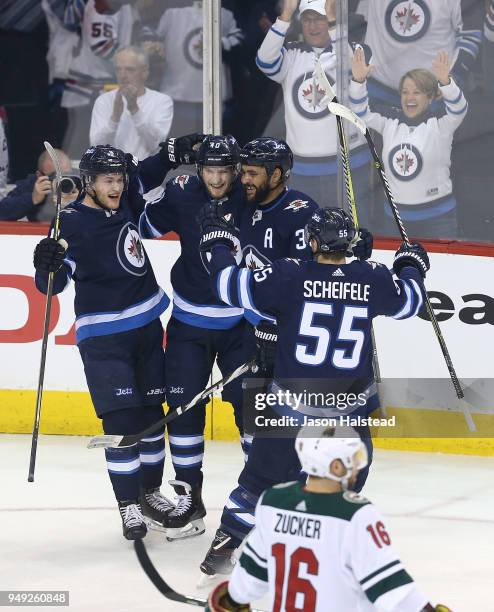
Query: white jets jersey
[
  {"x": 408, "y": 34},
  {"x": 4, "y": 161},
  {"x": 180, "y": 30},
  {"x": 318, "y": 552},
  {"x": 92, "y": 67},
  {"x": 417, "y": 158},
  {"x": 310, "y": 127}
]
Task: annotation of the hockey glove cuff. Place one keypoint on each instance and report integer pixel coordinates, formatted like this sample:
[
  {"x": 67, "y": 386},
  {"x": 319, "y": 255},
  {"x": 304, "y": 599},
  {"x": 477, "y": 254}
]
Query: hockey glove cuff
[
  {"x": 411, "y": 255},
  {"x": 220, "y": 601},
  {"x": 49, "y": 255},
  {"x": 266, "y": 339}
]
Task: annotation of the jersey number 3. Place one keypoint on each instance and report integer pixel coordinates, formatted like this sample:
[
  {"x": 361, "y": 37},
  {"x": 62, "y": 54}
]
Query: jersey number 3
[
  {"x": 339, "y": 359},
  {"x": 295, "y": 584}
]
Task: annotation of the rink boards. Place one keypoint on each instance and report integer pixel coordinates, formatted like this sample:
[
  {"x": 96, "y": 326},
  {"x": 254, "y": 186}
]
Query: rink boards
[{"x": 416, "y": 387}]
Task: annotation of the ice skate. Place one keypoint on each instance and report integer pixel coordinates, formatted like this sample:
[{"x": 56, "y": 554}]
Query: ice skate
[
  {"x": 133, "y": 525},
  {"x": 155, "y": 508},
  {"x": 220, "y": 558},
  {"x": 185, "y": 520}
]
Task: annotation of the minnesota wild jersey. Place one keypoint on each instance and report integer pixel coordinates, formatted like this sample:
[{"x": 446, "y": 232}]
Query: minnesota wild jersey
[{"x": 320, "y": 552}]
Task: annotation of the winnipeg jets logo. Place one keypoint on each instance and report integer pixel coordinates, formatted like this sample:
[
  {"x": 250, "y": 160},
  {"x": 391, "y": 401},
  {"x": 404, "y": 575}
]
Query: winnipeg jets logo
[
  {"x": 192, "y": 48},
  {"x": 182, "y": 180},
  {"x": 406, "y": 162},
  {"x": 130, "y": 250},
  {"x": 308, "y": 96},
  {"x": 297, "y": 205},
  {"x": 253, "y": 258},
  {"x": 407, "y": 21}
]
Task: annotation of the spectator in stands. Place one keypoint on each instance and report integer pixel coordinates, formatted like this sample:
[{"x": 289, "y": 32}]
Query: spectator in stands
[
  {"x": 180, "y": 31},
  {"x": 311, "y": 130},
  {"x": 105, "y": 25},
  {"x": 33, "y": 199},
  {"x": 417, "y": 145},
  {"x": 4, "y": 157},
  {"x": 404, "y": 35},
  {"x": 488, "y": 48},
  {"x": 131, "y": 117}
]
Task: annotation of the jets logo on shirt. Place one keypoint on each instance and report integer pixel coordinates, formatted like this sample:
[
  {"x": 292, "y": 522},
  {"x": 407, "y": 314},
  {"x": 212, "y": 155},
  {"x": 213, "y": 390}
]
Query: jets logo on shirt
[
  {"x": 406, "y": 162},
  {"x": 407, "y": 21},
  {"x": 130, "y": 250},
  {"x": 308, "y": 95},
  {"x": 193, "y": 48},
  {"x": 182, "y": 180},
  {"x": 253, "y": 259},
  {"x": 297, "y": 205}
]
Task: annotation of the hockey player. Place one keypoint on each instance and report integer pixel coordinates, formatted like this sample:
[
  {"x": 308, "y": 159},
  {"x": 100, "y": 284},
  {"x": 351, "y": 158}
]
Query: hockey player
[
  {"x": 201, "y": 328},
  {"x": 417, "y": 145},
  {"x": 338, "y": 536},
  {"x": 117, "y": 306},
  {"x": 324, "y": 309}
]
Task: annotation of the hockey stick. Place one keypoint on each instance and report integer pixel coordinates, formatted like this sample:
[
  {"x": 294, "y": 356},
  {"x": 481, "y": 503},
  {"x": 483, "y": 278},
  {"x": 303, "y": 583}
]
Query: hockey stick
[
  {"x": 49, "y": 296},
  {"x": 164, "y": 588},
  {"x": 115, "y": 441},
  {"x": 346, "y": 113},
  {"x": 350, "y": 193}
]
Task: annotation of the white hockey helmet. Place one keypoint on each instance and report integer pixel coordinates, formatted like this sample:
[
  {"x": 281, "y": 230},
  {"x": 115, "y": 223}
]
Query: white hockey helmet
[{"x": 317, "y": 447}]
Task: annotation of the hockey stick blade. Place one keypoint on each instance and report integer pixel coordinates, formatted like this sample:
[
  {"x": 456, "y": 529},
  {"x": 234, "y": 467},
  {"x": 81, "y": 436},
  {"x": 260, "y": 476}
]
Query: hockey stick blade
[
  {"x": 164, "y": 588},
  {"x": 346, "y": 113},
  {"x": 116, "y": 441},
  {"x": 54, "y": 158}
]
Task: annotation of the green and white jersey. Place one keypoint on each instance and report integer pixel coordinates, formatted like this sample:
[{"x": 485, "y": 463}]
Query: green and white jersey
[{"x": 318, "y": 552}]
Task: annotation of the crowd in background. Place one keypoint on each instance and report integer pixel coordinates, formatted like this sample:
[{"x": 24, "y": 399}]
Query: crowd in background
[{"x": 128, "y": 73}]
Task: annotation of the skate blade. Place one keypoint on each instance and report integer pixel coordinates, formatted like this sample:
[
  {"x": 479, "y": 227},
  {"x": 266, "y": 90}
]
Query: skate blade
[
  {"x": 194, "y": 528},
  {"x": 154, "y": 525}
]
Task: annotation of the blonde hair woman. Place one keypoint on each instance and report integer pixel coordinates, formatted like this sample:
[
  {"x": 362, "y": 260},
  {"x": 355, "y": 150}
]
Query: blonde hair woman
[{"x": 417, "y": 144}]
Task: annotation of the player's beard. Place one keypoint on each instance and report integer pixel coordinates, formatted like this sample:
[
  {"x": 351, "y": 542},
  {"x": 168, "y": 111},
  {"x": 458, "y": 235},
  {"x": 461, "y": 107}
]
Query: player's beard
[{"x": 260, "y": 193}]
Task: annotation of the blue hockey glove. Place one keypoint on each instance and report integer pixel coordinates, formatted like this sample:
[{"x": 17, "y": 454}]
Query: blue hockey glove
[
  {"x": 216, "y": 229},
  {"x": 411, "y": 255},
  {"x": 178, "y": 151},
  {"x": 363, "y": 248}
]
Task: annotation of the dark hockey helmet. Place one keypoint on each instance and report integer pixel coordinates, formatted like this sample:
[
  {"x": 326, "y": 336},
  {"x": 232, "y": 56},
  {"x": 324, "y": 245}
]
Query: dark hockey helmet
[
  {"x": 102, "y": 159},
  {"x": 332, "y": 229},
  {"x": 271, "y": 153},
  {"x": 218, "y": 151}
]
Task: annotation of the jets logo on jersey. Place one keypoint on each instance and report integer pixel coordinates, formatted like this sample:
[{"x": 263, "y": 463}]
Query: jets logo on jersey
[
  {"x": 297, "y": 205},
  {"x": 193, "y": 48},
  {"x": 182, "y": 180},
  {"x": 405, "y": 161},
  {"x": 407, "y": 21},
  {"x": 253, "y": 259},
  {"x": 308, "y": 95},
  {"x": 130, "y": 251}
]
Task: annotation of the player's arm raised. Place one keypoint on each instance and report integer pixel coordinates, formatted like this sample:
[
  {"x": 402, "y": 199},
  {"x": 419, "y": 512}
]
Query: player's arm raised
[
  {"x": 255, "y": 290},
  {"x": 402, "y": 298},
  {"x": 375, "y": 564}
]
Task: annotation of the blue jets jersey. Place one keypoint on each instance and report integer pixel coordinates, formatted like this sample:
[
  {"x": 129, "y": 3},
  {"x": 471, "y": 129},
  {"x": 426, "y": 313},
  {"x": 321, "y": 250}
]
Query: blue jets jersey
[
  {"x": 193, "y": 301},
  {"x": 274, "y": 231},
  {"x": 324, "y": 312},
  {"x": 115, "y": 286}
]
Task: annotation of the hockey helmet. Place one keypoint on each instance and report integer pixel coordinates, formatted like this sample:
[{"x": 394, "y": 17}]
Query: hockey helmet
[
  {"x": 102, "y": 159},
  {"x": 317, "y": 447},
  {"x": 271, "y": 153},
  {"x": 332, "y": 229},
  {"x": 218, "y": 151}
]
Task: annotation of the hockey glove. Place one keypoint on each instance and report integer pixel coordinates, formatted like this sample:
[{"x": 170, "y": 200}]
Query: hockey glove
[
  {"x": 220, "y": 601},
  {"x": 131, "y": 163},
  {"x": 49, "y": 255},
  {"x": 363, "y": 247},
  {"x": 178, "y": 151},
  {"x": 438, "y": 608},
  {"x": 266, "y": 339},
  {"x": 411, "y": 255},
  {"x": 216, "y": 229}
]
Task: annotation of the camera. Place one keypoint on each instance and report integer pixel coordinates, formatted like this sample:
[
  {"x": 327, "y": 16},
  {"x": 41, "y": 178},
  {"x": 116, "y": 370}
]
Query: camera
[{"x": 68, "y": 183}]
